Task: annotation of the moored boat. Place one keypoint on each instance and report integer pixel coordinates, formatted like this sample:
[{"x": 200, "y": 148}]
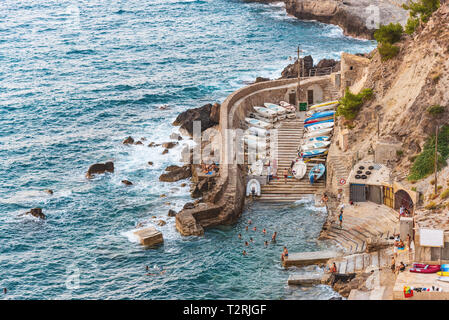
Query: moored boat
[
  {"x": 319, "y": 126},
  {"x": 313, "y": 153},
  {"x": 316, "y": 139},
  {"x": 315, "y": 145},
  {"x": 278, "y": 109},
  {"x": 265, "y": 112},
  {"x": 317, "y": 133}
]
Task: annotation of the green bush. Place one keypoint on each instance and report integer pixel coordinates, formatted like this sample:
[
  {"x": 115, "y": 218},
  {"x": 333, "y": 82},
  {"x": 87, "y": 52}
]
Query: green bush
[
  {"x": 351, "y": 103},
  {"x": 388, "y": 51},
  {"x": 420, "y": 11},
  {"x": 435, "y": 110},
  {"x": 412, "y": 24},
  {"x": 390, "y": 33},
  {"x": 424, "y": 162}
]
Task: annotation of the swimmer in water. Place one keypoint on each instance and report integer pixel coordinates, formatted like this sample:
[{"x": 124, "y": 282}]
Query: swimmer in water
[
  {"x": 246, "y": 228},
  {"x": 249, "y": 221},
  {"x": 240, "y": 236},
  {"x": 266, "y": 243},
  {"x": 254, "y": 228},
  {"x": 264, "y": 231},
  {"x": 244, "y": 252},
  {"x": 273, "y": 237},
  {"x": 246, "y": 243},
  {"x": 251, "y": 239}
]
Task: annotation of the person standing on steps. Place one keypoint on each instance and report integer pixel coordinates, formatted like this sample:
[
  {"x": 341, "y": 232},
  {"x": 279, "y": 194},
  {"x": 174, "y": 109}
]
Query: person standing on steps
[
  {"x": 340, "y": 218},
  {"x": 285, "y": 175}
]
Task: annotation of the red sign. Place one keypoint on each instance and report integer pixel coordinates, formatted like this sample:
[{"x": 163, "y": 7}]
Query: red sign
[{"x": 342, "y": 181}]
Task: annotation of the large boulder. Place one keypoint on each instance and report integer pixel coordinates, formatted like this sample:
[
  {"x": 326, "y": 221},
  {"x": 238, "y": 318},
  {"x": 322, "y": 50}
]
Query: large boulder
[
  {"x": 261, "y": 79},
  {"x": 37, "y": 212},
  {"x": 99, "y": 168},
  {"x": 202, "y": 114},
  {"x": 172, "y": 168},
  {"x": 291, "y": 71},
  {"x": 215, "y": 113},
  {"x": 329, "y": 63},
  {"x": 128, "y": 140},
  {"x": 176, "y": 174},
  {"x": 169, "y": 145}
]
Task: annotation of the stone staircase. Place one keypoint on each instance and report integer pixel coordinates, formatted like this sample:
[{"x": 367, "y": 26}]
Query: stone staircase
[
  {"x": 290, "y": 134},
  {"x": 361, "y": 261}
]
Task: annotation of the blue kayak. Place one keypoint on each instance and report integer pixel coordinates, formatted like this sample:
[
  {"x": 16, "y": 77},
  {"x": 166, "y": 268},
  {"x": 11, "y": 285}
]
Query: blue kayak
[
  {"x": 316, "y": 173},
  {"x": 322, "y": 114},
  {"x": 445, "y": 267},
  {"x": 314, "y": 123},
  {"x": 312, "y": 153}
]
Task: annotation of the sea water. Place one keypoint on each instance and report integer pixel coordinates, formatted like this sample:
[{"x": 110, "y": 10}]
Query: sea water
[{"x": 76, "y": 78}]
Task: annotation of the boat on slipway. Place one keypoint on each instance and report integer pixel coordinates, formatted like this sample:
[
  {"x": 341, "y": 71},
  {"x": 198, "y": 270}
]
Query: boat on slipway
[
  {"x": 265, "y": 112},
  {"x": 316, "y": 139},
  {"x": 299, "y": 169},
  {"x": 319, "y": 126},
  {"x": 313, "y": 153},
  {"x": 317, "y": 133},
  {"x": 258, "y": 123},
  {"x": 316, "y": 173},
  {"x": 315, "y": 145}
]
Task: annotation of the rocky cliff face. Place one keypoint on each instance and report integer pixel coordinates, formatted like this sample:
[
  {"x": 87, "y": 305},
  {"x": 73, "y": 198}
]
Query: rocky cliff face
[
  {"x": 405, "y": 87},
  {"x": 356, "y": 17}
]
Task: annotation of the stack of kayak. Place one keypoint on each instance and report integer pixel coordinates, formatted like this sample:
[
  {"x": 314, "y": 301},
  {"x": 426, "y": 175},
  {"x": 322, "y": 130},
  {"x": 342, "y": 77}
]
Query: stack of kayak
[
  {"x": 318, "y": 127},
  {"x": 280, "y": 111},
  {"x": 291, "y": 110},
  {"x": 264, "y": 114}
]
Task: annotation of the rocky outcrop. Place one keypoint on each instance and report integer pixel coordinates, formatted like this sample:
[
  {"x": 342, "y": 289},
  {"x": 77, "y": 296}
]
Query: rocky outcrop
[
  {"x": 208, "y": 115},
  {"x": 357, "y": 18},
  {"x": 176, "y": 174},
  {"x": 128, "y": 140},
  {"x": 169, "y": 145},
  {"x": 261, "y": 79},
  {"x": 99, "y": 168},
  {"x": 171, "y": 213},
  {"x": 324, "y": 66},
  {"x": 37, "y": 212}
]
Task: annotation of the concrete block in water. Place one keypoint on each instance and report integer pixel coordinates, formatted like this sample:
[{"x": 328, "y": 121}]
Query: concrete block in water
[
  {"x": 149, "y": 236},
  {"x": 304, "y": 279}
]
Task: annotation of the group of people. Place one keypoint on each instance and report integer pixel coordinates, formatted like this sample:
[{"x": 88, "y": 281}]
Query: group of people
[
  {"x": 251, "y": 240},
  {"x": 397, "y": 268},
  {"x": 209, "y": 168},
  {"x": 403, "y": 212}
]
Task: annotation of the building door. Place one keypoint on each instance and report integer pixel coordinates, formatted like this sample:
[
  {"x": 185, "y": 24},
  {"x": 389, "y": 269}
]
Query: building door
[
  {"x": 310, "y": 97},
  {"x": 388, "y": 197},
  {"x": 375, "y": 194},
  {"x": 402, "y": 198},
  {"x": 357, "y": 192},
  {"x": 292, "y": 98}
]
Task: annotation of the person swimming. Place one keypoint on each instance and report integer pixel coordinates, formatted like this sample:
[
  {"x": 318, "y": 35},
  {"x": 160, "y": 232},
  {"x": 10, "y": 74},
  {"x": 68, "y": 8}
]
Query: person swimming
[
  {"x": 240, "y": 236},
  {"x": 246, "y": 228},
  {"x": 254, "y": 229},
  {"x": 266, "y": 243},
  {"x": 264, "y": 231},
  {"x": 244, "y": 252},
  {"x": 273, "y": 237},
  {"x": 249, "y": 221},
  {"x": 246, "y": 243},
  {"x": 251, "y": 239}
]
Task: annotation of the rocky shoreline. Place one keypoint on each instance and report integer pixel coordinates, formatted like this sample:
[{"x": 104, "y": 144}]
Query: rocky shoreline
[{"x": 357, "y": 18}]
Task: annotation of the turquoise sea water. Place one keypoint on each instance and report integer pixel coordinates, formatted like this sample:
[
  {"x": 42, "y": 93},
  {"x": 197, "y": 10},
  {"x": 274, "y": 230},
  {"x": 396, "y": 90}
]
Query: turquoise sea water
[{"x": 76, "y": 78}]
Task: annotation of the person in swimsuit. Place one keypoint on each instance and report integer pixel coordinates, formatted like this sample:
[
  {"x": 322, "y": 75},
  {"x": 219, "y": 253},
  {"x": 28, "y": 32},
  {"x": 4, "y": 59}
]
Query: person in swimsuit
[
  {"x": 273, "y": 237},
  {"x": 266, "y": 243},
  {"x": 246, "y": 228},
  {"x": 240, "y": 236},
  {"x": 333, "y": 269},
  {"x": 246, "y": 243},
  {"x": 264, "y": 231},
  {"x": 284, "y": 254},
  {"x": 244, "y": 252},
  {"x": 254, "y": 229},
  {"x": 393, "y": 264},
  {"x": 251, "y": 239}
]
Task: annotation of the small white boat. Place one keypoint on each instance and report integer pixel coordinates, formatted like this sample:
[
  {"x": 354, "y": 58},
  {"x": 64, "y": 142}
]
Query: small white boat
[
  {"x": 265, "y": 112},
  {"x": 253, "y": 188},
  {"x": 299, "y": 169},
  {"x": 315, "y": 145},
  {"x": 320, "y": 126},
  {"x": 289, "y": 107},
  {"x": 258, "y": 116},
  {"x": 258, "y": 131},
  {"x": 318, "y": 133},
  {"x": 258, "y": 123},
  {"x": 279, "y": 110},
  {"x": 256, "y": 168}
]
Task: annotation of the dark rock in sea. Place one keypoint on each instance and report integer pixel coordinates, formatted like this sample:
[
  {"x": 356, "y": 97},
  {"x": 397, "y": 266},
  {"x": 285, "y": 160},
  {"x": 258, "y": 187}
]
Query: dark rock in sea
[
  {"x": 128, "y": 140},
  {"x": 291, "y": 71},
  {"x": 261, "y": 79},
  {"x": 202, "y": 114},
  {"x": 127, "y": 182},
  {"x": 189, "y": 205},
  {"x": 143, "y": 139},
  {"x": 172, "y": 167},
  {"x": 37, "y": 212},
  {"x": 161, "y": 223},
  {"x": 171, "y": 213},
  {"x": 49, "y": 191},
  {"x": 165, "y": 151},
  {"x": 183, "y": 184},
  {"x": 99, "y": 168},
  {"x": 169, "y": 145},
  {"x": 162, "y": 195},
  {"x": 150, "y": 163},
  {"x": 176, "y": 174},
  {"x": 139, "y": 143},
  {"x": 336, "y": 298}
]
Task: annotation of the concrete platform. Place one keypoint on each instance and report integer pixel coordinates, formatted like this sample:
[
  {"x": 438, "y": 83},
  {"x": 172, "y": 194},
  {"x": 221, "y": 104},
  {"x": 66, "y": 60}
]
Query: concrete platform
[
  {"x": 421, "y": 280},
  {"x": 308, "y": 258},
  {"x": 304, "y": 279},
  {"x": 149, "y": 236}
]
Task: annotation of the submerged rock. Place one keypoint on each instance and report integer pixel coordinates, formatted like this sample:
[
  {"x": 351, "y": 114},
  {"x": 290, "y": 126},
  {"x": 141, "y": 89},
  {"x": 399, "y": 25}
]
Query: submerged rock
[
  {"x": 165, "y": 151},
  {"x": 150, "y": 163},
  {"x": 261, "y": 79},
  {"x": 172, "y": 168},
  {"x": 169, "y": 145},
  {"x": 139, "y": 143},
  {"x": 161, "y": 223},
  {"x": 127, "y": 182},
  {"x": 49, "y": 191},
  {"x": 37, "y": 212},
  {"x": 99, "y": 168}
]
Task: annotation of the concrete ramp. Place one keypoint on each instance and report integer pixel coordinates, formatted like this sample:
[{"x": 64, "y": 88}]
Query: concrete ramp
[
  {"x": 304, "y": 279},
  {"x": 308, "y": 258}
]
